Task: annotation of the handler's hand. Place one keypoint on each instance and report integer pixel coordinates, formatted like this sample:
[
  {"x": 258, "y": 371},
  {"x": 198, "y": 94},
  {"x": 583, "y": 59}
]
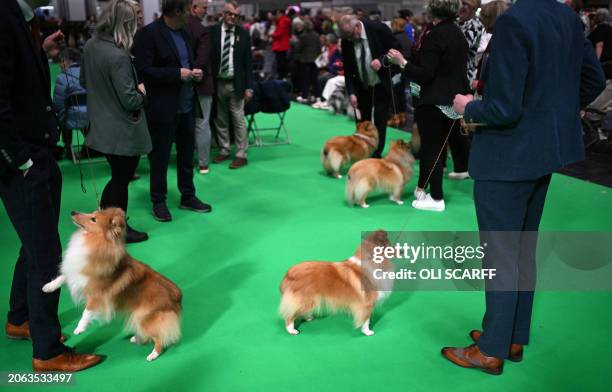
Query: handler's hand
[{"x": 461, "y": 102}]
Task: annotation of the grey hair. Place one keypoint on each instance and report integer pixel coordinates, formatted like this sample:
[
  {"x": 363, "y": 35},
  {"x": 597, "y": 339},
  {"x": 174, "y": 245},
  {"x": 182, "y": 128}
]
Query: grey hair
[
  {"x": 118, "y": 20},
  {"x": 347, "y": 25},
  {"x": 602, "y": 15},
  {"x": 443, "y": 9}
]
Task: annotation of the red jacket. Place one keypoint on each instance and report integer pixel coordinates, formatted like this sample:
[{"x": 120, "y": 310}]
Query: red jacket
[{"x": 281, "y": 35}]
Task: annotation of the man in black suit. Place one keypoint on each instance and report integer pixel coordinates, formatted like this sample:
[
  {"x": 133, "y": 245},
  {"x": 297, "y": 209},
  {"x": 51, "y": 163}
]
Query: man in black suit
[
  {"x": 368, "y": 82},
  {"x": 30, "y": 184},
  {"x": 164, "y": 61},
  {"x": 232, "y": 66}
]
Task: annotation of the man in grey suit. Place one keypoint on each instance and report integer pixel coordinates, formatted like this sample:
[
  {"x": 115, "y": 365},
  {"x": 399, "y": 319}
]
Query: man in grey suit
[{"x": 233, "y": 73}]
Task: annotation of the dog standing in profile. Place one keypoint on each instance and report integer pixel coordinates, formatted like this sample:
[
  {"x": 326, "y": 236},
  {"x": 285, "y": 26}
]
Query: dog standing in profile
[
  {"x": 336, "y": 286},
  {"x": 390, "y": 174},
  {"x": 96, "y": 267},
  {"x": 341, "y": 150}
]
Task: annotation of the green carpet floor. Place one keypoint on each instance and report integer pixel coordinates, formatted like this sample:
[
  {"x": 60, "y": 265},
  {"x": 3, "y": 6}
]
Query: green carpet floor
[{"x": 278, "y": 211}]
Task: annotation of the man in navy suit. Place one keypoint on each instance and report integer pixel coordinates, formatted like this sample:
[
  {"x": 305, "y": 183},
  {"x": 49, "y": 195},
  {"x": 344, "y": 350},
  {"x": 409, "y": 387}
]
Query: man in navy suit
[
  {"x": 31, "y": 184},
  {"x": 541, "y": 73},
  {"x": 164, "y": 61}
]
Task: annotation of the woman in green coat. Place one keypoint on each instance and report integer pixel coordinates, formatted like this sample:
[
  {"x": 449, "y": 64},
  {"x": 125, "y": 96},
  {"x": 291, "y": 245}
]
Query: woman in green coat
[{"x": 115, "y": 101}]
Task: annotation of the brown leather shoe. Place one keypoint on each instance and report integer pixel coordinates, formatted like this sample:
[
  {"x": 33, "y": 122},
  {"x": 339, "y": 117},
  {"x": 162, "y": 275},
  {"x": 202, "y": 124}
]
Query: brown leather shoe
[
  {"x": 238, "y": 163},
  {"x": 66, "y": 362},
  {"x": 221, "y": 158},
  {"x": 472, "y": 357},
  {"x": 22, "y": 332},
  {"x": 516, "y": 350}
]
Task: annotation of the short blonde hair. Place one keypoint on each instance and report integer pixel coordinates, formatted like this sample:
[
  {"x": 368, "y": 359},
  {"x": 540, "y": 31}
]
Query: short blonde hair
[
  {"x": 119, "y": 21},
  {"x": 490, "y": 12}
]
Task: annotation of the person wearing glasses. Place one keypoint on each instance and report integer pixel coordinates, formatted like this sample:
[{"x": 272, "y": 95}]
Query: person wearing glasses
[
  {"x": 164, "y": 61},
  {"x": 232, "y": 69},
  {"x": 368, "y": 82}
]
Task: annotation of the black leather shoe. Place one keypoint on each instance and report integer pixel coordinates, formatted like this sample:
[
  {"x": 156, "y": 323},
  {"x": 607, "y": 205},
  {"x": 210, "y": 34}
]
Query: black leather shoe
[
  {"x": 134, "y": 236},
  {"x": 161, "y": 212},
  {"x": 194, "y": 204}
]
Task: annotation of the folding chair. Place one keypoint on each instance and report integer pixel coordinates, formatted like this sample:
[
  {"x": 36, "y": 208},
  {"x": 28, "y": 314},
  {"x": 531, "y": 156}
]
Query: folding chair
[{"x": 270, "y": 97}]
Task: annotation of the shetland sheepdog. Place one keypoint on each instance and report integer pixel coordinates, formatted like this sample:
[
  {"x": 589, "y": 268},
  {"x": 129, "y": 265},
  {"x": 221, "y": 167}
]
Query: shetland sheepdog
[
  {"x": 341, "y": 150},
  {"x": 97, "y": 268},
  {"x": 349, "y": 285},
  {"x": 390, "y": 174}
]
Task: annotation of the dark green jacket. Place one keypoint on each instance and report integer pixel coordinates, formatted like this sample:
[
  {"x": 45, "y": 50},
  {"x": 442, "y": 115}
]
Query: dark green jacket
[{"x": 117, "y": 123}]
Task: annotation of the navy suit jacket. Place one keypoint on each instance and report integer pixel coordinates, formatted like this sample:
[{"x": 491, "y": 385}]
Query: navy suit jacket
[
  {"x": 540, "y": 73},
  {"x": 26, "y": 109},
  {"x": 159, "y": 67}
]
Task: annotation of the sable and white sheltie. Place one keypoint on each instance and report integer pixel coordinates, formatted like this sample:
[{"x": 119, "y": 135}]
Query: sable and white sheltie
[
  {"x": 390, "y": 174},
  {"x": 96, "y": 267},
  {"x": 348, "y": 285},
  {"x": 341, "y": 150}
]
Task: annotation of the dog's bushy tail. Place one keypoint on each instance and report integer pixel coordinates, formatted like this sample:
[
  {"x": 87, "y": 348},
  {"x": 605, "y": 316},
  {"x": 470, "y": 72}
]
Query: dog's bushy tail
[
  {"x": 331, "y": 160},
  {"x": 162, "y": 324}
]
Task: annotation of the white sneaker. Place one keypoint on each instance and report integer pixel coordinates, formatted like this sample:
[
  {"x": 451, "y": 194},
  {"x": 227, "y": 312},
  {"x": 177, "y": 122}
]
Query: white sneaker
[
  {"x": 429, "y": 204},
  {"x": 301, "y": 100},
  {"x": 419, "y": 193},
  {"x": 316, "y": 105},
  {"x": 324, "y": 106},
  {"x": 458, "y": 176}
]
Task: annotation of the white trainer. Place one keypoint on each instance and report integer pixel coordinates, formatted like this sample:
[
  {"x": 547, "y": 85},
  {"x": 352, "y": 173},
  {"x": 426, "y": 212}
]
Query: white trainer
[
  {"x": 429, "y": 204},
  {"x": 419, "y": 193},
  {"x": 458, "y": 175}
]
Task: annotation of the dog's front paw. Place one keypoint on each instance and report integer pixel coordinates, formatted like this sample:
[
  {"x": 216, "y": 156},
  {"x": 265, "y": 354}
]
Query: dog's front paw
[
  {"x": 399, "y": 202},
  {"x": 364, "y": 205},
  {"x": 79, "y": 330},
  {"x": 153, "y": 356},
  {"x": 368, "y": 332},
  {"x": 293, "y": 331},
  {"x": 49, "y": 287},
  {"x": 339, "y": 176}
]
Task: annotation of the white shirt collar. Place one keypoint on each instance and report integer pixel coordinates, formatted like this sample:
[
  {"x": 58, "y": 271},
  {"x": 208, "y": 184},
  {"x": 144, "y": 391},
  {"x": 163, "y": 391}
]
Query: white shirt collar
[
  {"x": 26, "y": 10},
  {"x": 363, "y": 32}
]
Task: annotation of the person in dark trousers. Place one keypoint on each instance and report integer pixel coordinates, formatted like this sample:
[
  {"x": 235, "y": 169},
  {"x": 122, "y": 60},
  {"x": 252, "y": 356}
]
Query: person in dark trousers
[
  {"x": 368, "y": 83},
  {"x": 164, "y": 61},
  {"x": 440, "y": 70},
  {"x": 306, "y": 52},
  {"x": 31, "y": 184},
  {"x": 532, "y": 129},
  {"x": 117, "y": 123},
  {"x": 201, "y": 59},
  {"x": 232, "y": 65}
]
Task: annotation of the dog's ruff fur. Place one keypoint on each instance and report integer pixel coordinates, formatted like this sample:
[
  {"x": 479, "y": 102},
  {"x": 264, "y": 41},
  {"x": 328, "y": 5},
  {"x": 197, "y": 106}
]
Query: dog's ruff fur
[
  {"x": 349, "y": 285},
  {"x": 97, "y": 268},
  {"x": 390, "y": 175},
  {"x": 341, "y": 150}
]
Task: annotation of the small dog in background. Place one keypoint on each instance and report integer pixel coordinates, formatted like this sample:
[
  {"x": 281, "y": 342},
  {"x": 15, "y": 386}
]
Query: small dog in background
[
  {"x": 96, "y": 267},
  {"x": 348, "y": 285},
  {"x": 341, "y": 150},
  {"x": 390, "y": 174}
]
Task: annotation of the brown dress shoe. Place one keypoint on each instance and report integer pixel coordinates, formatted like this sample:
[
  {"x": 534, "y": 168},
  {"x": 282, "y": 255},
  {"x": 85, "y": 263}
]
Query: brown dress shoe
[
  {"x": 238, "y": 163},
  {"x": 66, "y": 362},
  {"x": 22, "y": 332},
  {"x": 516, "y": 350},
  {"x": 472, "y": 357},
  {"x": 221, "y": 158}
]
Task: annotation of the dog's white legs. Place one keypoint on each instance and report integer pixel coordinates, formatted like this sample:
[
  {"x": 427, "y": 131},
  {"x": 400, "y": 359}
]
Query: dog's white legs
[
  {"x": 87, "y": 317},
  {"x": 54, "y": 284},
  {"x": 136, "y": 340},
  {"x": 396, "y": 200},
  {"x": 365, "y": 328},
  {"x": 364, "y": 205},
  {"x": 308, "y": 317},
  {"x": 157, "y": 350},
  {"x": 153, "y": 356},
  {"x": 290, "y": 327}
]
